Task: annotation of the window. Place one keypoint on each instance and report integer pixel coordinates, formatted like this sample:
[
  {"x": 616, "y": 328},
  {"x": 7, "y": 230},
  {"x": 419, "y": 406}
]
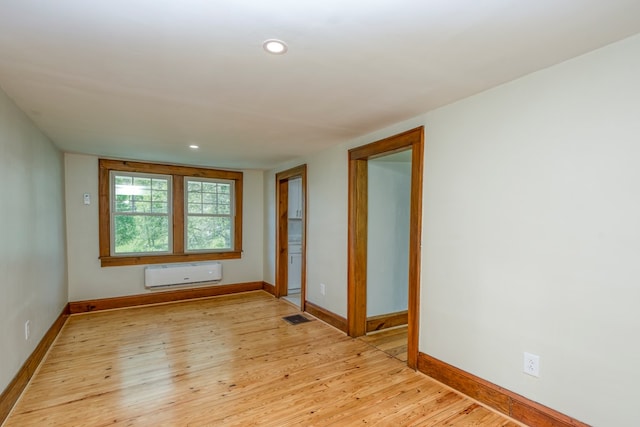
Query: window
[
  {"x": 140, "y": 213},
  {"x": 152, "y": 213},
  {"x": 209, "y": 214}
]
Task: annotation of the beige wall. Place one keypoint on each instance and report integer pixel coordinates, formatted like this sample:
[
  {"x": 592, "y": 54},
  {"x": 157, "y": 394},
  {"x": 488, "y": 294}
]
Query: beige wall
[
  {"x": 531, "y": 233},
  {"x": 88, "y": 280},
  {"x": 32, "y": 249},
  {"x": 532, "y": 237}
]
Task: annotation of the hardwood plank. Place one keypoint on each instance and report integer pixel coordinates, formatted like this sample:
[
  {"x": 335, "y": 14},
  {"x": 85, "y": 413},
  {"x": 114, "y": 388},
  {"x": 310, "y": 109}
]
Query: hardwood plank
[
  {"x": 228, "y": 360},
  {"x": 391, "y": 341},
  {"x": 11, "y": 394}
]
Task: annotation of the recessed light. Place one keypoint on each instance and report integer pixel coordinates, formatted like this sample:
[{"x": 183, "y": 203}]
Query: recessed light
[
  {"x": 194, "y": 146},
  {"x": 274, "y": 46}
]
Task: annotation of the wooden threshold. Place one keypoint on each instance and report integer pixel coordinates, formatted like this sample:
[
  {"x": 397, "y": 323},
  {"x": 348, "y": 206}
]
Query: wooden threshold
[
  {"x": 161, "y": 296},
  {"x": 326, "y": 316},
  {"x": 505, "y": 401},
  {"x": 12, "y": 392},
  {"x": 384, "y": 321},
  {"x": 392, "y": 341}
]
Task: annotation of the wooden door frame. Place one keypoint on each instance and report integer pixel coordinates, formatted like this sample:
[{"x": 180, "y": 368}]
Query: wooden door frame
[
  {"x": 357, "y": 241},
  {"x": 282, "y": 239}
]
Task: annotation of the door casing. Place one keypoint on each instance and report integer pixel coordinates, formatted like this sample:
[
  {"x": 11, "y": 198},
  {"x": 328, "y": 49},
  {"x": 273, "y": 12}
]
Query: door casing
[
  {"x": 282, "y": 238},
  {"x": 357, "y": 240}
]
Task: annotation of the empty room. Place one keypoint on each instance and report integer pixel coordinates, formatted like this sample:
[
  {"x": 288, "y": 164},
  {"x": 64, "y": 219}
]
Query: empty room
[{"x": 319, "y": 213}]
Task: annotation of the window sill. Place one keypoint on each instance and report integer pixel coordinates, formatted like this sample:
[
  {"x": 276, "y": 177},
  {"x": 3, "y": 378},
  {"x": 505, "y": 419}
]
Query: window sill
[{"x": 114, "y": 261}]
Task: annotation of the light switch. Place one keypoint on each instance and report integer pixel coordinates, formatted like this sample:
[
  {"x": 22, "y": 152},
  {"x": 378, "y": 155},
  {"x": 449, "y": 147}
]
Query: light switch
[{"x": 86, "y": 198}]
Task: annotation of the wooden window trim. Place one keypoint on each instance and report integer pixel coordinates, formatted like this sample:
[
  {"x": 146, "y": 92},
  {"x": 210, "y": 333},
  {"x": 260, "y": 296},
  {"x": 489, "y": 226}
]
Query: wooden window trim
[{"x": 105, "y": 166}]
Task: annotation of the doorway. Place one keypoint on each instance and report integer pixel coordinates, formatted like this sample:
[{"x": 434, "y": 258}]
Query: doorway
[
  {"x": 358, "y": 233},
  {"x": 291, "y": 217}
]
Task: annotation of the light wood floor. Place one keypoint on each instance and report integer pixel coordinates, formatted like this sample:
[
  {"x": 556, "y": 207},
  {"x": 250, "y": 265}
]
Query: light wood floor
[
  {"x": 228, "y": 361},
  {"x": 392, "y": 341}
]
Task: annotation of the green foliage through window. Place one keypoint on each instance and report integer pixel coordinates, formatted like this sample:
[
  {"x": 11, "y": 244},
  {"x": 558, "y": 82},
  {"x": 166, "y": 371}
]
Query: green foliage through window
[
  {"x": 140, "y": 234},
  {"x": 209, "y": 215},
  {"x": 141, "y": 213}
]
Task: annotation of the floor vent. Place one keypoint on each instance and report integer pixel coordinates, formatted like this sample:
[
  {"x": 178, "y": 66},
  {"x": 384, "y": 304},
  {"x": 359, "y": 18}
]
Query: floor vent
[{"x": 296, "y": 319}]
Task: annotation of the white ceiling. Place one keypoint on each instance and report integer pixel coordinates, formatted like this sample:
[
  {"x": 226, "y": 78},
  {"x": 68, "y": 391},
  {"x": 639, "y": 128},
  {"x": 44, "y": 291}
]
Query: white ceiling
[{"x": 143, "y": 79}]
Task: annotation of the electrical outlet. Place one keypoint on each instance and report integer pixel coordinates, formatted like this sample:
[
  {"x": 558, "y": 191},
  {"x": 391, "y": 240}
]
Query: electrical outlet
[
  {"x": 532, "y": 364},
  {"x": 27, "y": 329},
  {"x": 322, "y": 289}
]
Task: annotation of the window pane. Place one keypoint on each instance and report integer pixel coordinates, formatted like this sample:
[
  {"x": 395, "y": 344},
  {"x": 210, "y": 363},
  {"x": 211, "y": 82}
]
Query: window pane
[
  {"x": 194, "y": 209},
  {"x": 123, "y": 203},
  {"x": 124, "y": 180},
  {"x": 159, "y": 202},
  {"x": 141, "y": 207},
  {"x": 136, "y": 194},
  {"x": 209, "y": 187},
  {"x": 159, "y": 196},
  {"x": 143, "y": 183},
  {"x": 204, "y": 200},
  {"x": 134, "y": 234},
  {"x": 208, "y": 233},
  {"x": 144, "y": 196},
  {"x": 194, "y": 186},
  {"x": 159, "y": 184},
  {"x": 224, "y": 209},
  {"x": 159, "y": 207},
  {"x": 209, "y": 198},
  {"x": 195, "y": 197},
  {"x": 215, "y": 197}
]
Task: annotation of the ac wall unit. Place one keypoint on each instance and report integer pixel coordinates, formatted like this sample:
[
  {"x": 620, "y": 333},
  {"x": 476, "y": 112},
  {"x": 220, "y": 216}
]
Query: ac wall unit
[{"x": 181, "y": 274}]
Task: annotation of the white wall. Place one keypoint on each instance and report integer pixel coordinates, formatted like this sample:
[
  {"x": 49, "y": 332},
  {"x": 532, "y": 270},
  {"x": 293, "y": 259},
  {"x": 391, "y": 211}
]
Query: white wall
[
  {"x": 389, "y": 203},
  {"x": 32, "y": 249},
  {"x": 87, "y": 280},
  {"x": 327, "y": 230},
  {"x": 531, "y": 233}
]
